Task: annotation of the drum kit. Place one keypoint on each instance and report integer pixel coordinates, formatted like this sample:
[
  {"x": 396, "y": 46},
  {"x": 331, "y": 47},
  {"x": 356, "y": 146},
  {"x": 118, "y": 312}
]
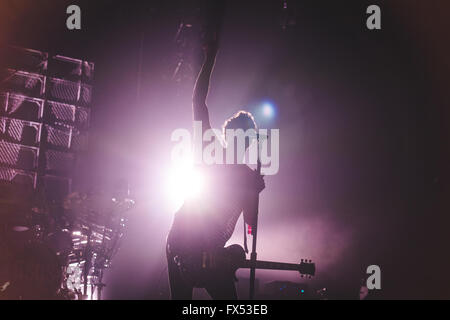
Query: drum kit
[{"x": 60, "y": 251}]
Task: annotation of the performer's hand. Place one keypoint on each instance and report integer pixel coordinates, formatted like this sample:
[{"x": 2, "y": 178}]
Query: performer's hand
[
  {"x": 215, "y": 11},
  {"x": 260, "y": 185},
  {"x": 210, "y": 48}
]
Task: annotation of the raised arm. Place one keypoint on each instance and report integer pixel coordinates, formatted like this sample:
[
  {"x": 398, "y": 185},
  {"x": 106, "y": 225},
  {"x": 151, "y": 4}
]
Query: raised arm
[
  {"x": 215, "y": 11},
  {"x": 199, "y": 107}
]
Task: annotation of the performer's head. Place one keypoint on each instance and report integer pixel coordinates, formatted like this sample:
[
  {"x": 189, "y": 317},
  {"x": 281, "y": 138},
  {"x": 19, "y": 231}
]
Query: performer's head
[{"x": 241, "y": 120}]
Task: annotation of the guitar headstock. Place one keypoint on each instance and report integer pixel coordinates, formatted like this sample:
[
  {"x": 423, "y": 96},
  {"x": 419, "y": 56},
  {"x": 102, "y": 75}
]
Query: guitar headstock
[{"x": 307, "y": 267}]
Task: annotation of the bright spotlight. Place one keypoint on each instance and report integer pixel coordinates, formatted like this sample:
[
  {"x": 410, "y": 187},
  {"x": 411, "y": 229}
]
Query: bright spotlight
[
  {"x": 184, "y": 181},
  {"x": 268, "y": 110}
]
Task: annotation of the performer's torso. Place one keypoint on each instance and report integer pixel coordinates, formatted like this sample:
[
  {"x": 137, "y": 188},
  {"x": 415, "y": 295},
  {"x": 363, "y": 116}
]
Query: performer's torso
[{"x": 208, "y": 220}]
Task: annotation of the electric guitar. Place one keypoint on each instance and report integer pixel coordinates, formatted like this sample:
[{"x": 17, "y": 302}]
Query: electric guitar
[{"x": 198, "y": 269}]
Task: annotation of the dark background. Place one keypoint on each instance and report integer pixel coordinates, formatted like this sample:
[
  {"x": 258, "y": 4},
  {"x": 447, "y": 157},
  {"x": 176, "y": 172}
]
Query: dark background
[{"x": 363, "y": 119}]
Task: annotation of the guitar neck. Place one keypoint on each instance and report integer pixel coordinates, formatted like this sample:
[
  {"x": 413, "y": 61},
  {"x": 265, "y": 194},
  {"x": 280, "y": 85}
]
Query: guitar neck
[{"x": 269, "y": 265}]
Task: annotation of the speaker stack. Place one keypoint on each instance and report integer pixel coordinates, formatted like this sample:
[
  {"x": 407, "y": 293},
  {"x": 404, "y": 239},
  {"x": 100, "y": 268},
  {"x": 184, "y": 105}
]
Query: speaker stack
[{"x": 45, "y": 109}]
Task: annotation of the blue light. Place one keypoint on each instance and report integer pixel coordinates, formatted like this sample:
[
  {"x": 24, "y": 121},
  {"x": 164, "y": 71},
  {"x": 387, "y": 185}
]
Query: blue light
[{"x": 268, "y": 110}]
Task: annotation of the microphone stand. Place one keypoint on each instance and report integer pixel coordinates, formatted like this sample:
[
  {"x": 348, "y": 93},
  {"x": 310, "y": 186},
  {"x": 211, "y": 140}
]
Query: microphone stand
[{"x": 254, "y": 231}]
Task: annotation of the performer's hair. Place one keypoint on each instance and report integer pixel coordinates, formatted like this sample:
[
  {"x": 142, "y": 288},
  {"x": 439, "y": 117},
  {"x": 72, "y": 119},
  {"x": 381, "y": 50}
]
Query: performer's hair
[{"x": 240, "y": 120}]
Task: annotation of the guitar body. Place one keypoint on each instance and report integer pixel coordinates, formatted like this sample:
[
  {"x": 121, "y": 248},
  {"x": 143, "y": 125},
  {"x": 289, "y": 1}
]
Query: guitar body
[{"x": 200, "y": 268}]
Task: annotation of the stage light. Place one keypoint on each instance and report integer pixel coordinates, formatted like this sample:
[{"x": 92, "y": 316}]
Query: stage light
[
  {"x": 268, "y": 110},
  {"x": 184, "y": 182}
]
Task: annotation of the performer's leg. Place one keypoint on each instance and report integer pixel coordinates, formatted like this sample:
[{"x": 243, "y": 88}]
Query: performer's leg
[
  {"x": 222, "y": 289},
  {"x": 179, "y": 290}
]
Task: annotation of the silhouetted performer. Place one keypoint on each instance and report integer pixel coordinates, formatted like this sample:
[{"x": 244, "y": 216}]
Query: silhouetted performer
[{"x": 205, "y": 223}]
